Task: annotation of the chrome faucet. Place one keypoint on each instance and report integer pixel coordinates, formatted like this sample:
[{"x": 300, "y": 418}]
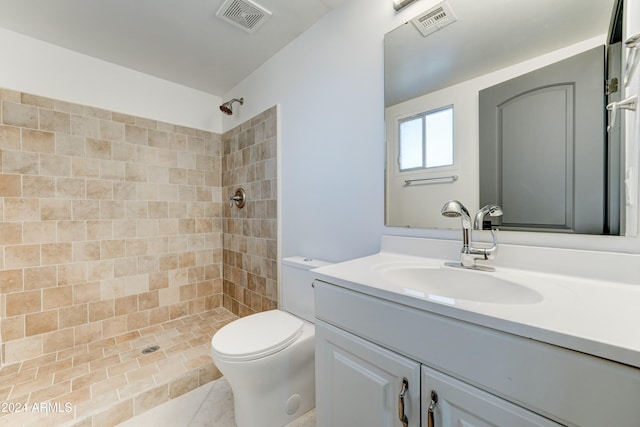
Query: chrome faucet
[
  {"x": 469, "y": 254},
  {"x": 492, "y": 210}
]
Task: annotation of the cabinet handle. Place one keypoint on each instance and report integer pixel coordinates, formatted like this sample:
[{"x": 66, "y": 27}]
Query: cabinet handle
[
  {"x": 432, "y": 406},
  {"x": 403, "y": 391}
]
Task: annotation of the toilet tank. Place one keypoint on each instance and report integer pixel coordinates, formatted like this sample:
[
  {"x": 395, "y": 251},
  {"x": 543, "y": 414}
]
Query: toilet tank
[{"x": 295, "y": 286}]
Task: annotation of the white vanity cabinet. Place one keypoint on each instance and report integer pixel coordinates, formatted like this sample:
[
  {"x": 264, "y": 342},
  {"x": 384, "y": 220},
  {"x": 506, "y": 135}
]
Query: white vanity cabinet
[
  {"x": 363, "y": 384},
  {"x": 367, "y": 345}
]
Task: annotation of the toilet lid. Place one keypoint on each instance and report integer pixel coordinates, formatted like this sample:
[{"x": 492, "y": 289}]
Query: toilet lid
[{"x": 257, "y": 335}]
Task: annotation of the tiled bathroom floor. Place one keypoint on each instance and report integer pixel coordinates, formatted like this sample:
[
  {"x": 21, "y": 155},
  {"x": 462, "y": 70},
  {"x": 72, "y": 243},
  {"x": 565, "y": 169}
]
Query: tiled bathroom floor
[
  {"x": 208, "y": 406},
  {"x": 107, "y": 382}
]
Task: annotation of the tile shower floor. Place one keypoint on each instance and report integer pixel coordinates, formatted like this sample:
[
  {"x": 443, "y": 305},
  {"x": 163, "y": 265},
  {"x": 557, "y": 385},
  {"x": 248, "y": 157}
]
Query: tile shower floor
[{"x": 107, "y": 382}]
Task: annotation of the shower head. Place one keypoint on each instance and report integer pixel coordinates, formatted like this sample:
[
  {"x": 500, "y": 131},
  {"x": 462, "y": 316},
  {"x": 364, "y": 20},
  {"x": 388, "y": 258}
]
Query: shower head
[
  {"x": 226, "y": 107},
  {"x": 454, "y": 209}
]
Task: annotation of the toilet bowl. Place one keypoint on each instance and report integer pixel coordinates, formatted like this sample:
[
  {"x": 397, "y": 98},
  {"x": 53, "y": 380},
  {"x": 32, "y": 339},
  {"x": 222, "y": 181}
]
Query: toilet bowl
[{"x": 268, "y": 357}]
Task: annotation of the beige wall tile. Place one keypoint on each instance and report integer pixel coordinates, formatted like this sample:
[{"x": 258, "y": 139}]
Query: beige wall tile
[
  {"x": 112, "y": 170},
  {"x": 55, "y": 253},
  {"x": 38, "y": 141},
  {"x": 70, "y": 188},
  {"x": 112, "y": 248},
  {"x": 70, "y": 274},
  {"x": 38, "y": 186},
  {"x": 99, "y": 229},
  {"x": 21, "y": 209},
  {"x": 73, "y": 316},
  {"x": 69, "y": 231},
  {"x": 69, "y": 145},
  {"x": 126, "y": 305},
  {"x": 123, "y": 151},
  {"x": 23, "y": 349},
  {"x": 137, "y": 320},
  {"x": 21, "y": 256},
  {"x": 58, "y": 340},
  {"x": 110, "y": 130},
  {"x": 99, "y": 189},
  {"x": 114, "y": 326},
  {"x": 86, "y": 292},
  {"x": 158, "y": 315},
  {"x": 135, "y": 134},
  {"x": 86, "y": 251},
  {"x": 39, "y": 277},
  {"x": 85, "y": 168},
  {"x": 10, "y": 185},
  {"x": 41, "y": 322},
  {"x": 86, "y": 210},
  {"x": 112, "y": 209},
  {"x": 57, "y": 297},
  {"x": 51, "y": 209},
  {"x": 87, "y": 332},
  {"x": 148, "y": 300},
  {"x": 12, "y": 328},
  {"x": 135, "y": 172},
  {"x": 54, "y": 121},
  {"x": 35, "y": 100},
  {"x": 113, "y": 288},
  {"x": 11, "y": 281},
  {"x": 39, "y": 232},
  {"x": 158, "y": 280},
  {"x": 19, "y": 115},
  {"x": 9, "y": 137},
  {"x": 55, "y": 165},
  {"x": 85, "y": 126},
  {"x": 99, "y": 149},
  {"x": 10, "y": 233},
  {"x": 100, "y": 270},
  {"x": 101, "y": 310}
]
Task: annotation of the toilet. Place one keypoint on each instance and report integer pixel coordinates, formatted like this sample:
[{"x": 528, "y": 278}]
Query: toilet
[{"x": 268, "y": 357}]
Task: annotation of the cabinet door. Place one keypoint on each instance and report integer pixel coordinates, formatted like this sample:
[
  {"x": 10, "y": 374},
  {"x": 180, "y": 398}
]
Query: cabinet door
[
  {"x": 359, "y": 383},
  {"x": 459, "y": 404}
]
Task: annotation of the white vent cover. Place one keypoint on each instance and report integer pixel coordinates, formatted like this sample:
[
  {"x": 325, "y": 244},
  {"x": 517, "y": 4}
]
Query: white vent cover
[
  {"x": 243, "y": 14},
  {"x": 434, "y": 19}
]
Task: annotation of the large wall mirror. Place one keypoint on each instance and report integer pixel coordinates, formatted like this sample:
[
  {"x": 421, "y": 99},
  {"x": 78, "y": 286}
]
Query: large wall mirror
[{"x": 526, "y": 132}]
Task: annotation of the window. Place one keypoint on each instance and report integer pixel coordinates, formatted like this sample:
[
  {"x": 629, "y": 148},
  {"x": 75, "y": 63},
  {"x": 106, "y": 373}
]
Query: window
[{"x": 426, "y": 140}]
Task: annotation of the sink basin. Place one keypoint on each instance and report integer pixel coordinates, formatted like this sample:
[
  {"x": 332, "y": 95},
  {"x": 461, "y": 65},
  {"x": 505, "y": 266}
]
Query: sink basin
[{"x": 445, "y": 284}]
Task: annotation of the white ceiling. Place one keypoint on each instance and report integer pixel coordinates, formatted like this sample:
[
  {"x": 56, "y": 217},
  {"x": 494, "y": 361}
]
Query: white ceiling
[{"x": 177, "y": 40}]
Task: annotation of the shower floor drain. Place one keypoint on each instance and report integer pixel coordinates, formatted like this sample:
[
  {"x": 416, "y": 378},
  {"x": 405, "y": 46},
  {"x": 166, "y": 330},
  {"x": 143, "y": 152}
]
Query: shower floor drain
[{"x": 151, "y": 349}]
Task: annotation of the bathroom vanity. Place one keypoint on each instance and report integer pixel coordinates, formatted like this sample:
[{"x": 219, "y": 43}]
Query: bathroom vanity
[{"x": 402, "y": 340}]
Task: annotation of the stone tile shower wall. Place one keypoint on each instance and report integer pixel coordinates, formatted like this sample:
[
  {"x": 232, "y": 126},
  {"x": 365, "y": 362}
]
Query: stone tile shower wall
[
  {"x": 250, "y": 234},
  {"x": 109, "y": 223}
]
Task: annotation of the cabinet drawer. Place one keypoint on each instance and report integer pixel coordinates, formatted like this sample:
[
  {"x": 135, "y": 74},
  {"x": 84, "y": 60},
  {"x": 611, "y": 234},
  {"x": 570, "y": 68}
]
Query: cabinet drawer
[{"x": 569, "y": 387}]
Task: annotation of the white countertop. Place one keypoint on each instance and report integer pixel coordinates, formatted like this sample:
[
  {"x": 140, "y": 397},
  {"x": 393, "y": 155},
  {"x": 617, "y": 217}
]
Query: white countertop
[{"x": 597, "y": 317}]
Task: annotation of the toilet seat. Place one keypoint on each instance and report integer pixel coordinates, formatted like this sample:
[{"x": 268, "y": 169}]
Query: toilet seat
[{"x": 256, "y": 336}]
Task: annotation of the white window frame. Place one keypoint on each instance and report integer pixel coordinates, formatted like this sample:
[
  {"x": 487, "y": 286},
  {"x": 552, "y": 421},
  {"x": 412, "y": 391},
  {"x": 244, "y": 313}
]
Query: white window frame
[{"x": 423, "y": 115}]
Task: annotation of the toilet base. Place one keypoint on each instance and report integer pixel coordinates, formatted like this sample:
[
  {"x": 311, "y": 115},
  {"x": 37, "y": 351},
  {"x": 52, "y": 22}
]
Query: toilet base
[{"x": 274, "y": 390}]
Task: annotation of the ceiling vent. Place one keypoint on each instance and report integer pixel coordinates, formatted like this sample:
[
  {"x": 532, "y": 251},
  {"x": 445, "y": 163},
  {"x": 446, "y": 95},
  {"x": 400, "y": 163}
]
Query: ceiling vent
[
  {"x": 243, "y": 14},
  {"x": 434, "y": 19}
]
